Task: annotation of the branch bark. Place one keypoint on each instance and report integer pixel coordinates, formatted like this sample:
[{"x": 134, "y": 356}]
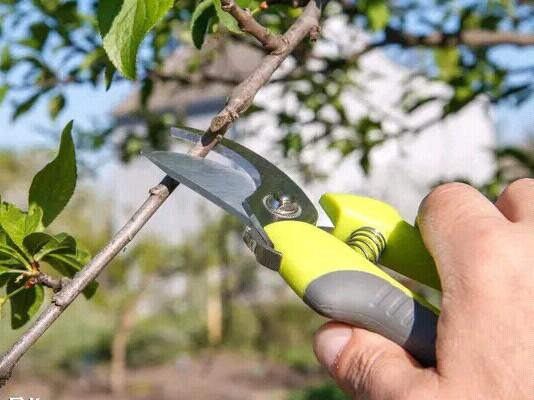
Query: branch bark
[
  {"x": 241, "y": 98},
  {"x": 270, "y": 41},
  {"x": 243, "y": 94},
  {"x": 472, "y": 38}
]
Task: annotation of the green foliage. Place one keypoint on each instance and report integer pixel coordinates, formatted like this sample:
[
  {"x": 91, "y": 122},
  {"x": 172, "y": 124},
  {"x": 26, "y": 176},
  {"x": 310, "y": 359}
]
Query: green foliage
[
  {"x": 226, "y": 19},
  {"x": 54, "y": 185},
  {"x": 25, "y": 302},
  {"x": 60, "y": 30},
  {"x": 447, "y": 60},
  {"x": 23, "y": 244},
  {"x": 200, "y": 21},
  {"x": 124, "y": 24},
  {"x": 377, "y": 12},
  {"x": 327, "y": 391},
  {"x": 56, "y": 105}
]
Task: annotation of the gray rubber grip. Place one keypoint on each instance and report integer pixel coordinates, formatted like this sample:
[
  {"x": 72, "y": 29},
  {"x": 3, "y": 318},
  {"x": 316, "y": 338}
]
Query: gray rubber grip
[{"x": 365, "y": 300}]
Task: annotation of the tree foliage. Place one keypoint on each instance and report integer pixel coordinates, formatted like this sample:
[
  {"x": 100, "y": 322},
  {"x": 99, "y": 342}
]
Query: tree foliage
[
  {"x": 52, "y": 45},
  {"x": 72, "y": 42},
  {"x": 24, "y": 246}
]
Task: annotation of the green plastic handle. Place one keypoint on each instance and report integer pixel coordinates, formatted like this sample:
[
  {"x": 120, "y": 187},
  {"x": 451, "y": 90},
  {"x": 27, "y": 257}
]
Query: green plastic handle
[
  {"x": 405, "y": 251},
  {"x": 340, "y": 283}
]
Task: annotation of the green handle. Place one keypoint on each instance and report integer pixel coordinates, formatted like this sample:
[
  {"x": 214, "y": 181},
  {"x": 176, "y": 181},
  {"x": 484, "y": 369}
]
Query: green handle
[
  {"x": 341, "y": 284},
  {"x": 404, "y": 252}
]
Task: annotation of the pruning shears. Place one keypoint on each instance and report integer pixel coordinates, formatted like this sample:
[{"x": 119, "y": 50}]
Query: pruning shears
[{"x": 333, "y": 270}]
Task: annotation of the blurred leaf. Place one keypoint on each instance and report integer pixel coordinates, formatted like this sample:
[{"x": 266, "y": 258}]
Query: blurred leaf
[
  {"x": 378, "y": 14},
  {"x": 24, "y": 304},
  {"x": 123, "y": 26},
  {"x": 328, "y": 391},
  {"x": 53, "y": 186},
  {"x": 25, "y": 106},
  {"x": 3, "y": 92},
  {"x": 200, "y": 21},
  {"x": 147, "y": 87},
  {"x": 38, "y": 35},
  {"x": 447, "y": 60},
  {"x": 226, "y": 19},
  {"x": 6, "y": 62},
  {"x": 56, "y": 105},
  {"x": 108, "y": 75}
]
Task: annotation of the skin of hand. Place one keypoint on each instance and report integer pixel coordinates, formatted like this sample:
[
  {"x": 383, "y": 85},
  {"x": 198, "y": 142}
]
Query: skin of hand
[{"x": 484, "y": 254}]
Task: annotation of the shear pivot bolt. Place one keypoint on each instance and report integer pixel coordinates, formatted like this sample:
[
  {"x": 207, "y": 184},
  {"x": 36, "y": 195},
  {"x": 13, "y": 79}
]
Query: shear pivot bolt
[{"x": 282, "y": 206}]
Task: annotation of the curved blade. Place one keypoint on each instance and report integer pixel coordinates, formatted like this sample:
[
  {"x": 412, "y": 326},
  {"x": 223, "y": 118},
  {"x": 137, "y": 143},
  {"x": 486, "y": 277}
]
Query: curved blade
[
  {"x": 267, "y": 178},
  {"x": 222, "y": 185}
]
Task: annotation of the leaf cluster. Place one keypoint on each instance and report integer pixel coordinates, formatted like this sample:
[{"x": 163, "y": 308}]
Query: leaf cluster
[{"x": 25, "y": 247}]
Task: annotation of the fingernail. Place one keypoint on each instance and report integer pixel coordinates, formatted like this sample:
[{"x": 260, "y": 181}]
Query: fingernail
[{"x": 330, "y": 342}]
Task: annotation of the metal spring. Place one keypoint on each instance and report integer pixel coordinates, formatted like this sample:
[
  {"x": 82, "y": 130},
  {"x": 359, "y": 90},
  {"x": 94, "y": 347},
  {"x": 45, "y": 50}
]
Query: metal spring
[{"x": 369, "y": 241}]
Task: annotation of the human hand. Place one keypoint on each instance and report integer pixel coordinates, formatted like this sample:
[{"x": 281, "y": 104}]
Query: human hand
[{"x": 485, "y": 338}]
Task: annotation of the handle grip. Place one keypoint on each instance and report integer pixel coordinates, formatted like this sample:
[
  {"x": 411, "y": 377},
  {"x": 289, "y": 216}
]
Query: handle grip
[
  {"x": 339, "y": 283},
  {"x": 367, "y": 301},
  {"x": 404, "y": 252}
]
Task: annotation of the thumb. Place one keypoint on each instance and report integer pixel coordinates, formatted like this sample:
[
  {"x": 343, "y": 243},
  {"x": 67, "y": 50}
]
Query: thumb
[{"x": 369, "y": 366}]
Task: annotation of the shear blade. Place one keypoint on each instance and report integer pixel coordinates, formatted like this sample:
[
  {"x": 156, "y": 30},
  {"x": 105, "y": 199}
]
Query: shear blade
[
  {"x": 267, "y": 178},
  {"x": 221, "y": 184}
]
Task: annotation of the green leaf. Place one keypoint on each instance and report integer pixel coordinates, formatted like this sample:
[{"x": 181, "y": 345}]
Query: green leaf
[
  {"x": 24, "y": 304},
  {"x": 123, "y": 26},
  {"x": 3, "y": 92},
  {"x": 18, "y": 224},
  {"x": 5, "y": 270},
  {"x": 68, "y": 265},
  {"x": 378, "y": 14},
  {"x": 53, "y": 186},
  {"x": 109, "y": 72},
  {"x": 6, "y": 61},
  {"x": 448, "y": 60},
  {"x": 56, "y": 105},
  {"x": 226, "y": 19},
  {"x": 61, "y": 243},
  {"x": 200, "y": 21},
  {"x": 35, "y": 241},
  {"x": 25, "y": 106},
  {"x": 38, "y": 35}
]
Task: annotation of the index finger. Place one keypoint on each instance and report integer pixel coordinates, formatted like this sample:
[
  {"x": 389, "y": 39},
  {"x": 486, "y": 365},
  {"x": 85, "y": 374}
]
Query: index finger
[{"x": 451, "y": 217}]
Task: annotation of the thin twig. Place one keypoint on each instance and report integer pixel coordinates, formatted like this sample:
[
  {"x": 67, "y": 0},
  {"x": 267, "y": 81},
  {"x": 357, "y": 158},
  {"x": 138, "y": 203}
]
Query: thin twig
[
  {"x": 307, "y": 24},
  {"x": 73, "y": 288},
  {"x": 270, "y": 41},
  {"x": 472, "y": 38},
  {"x": 53, "y": 283},
  {"x": 242, "y": 96}
]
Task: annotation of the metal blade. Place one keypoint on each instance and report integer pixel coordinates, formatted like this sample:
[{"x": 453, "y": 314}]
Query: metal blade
[
  {"x": 272, "y": 185},
  {"x": 222, "y": 185}
]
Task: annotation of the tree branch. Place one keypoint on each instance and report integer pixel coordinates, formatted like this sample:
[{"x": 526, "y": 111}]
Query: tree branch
[
  {"x": 73, "y": 288},
  {"x": 472, "y": 38},
  {"x": 242, "y": 96},
  {"x": 248, "y": 24},
  {"x": 53, "y": 283}
]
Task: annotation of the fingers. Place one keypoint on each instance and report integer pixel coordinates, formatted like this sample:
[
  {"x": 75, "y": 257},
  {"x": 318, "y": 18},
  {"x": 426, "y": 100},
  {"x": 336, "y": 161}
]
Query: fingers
[
  {"x": 517, "y": 201},
  {"x": 450, "y": 218},
  {"x": 369, "y": 366}
]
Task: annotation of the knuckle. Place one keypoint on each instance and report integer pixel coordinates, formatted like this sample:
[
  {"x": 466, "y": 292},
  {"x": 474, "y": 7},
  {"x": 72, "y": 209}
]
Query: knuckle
[
  {"x": 518, "y": 186},
  {"x": 356, "y": 368},
  {"x": 441, "y": 195}
]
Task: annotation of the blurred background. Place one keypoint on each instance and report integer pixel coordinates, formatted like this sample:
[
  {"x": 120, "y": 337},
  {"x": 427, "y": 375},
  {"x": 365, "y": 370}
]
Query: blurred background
[{"x": 393, "y": 99}]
